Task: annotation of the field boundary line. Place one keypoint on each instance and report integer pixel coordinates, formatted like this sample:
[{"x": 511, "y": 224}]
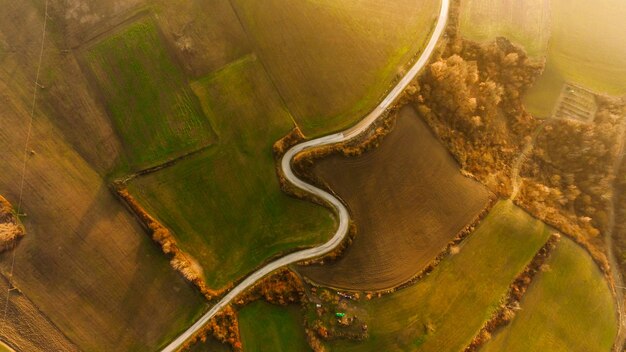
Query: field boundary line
[
  {"x": 463, "y": 234},
  {"x": 509, "y": 303},
  {"x": 267, "y": 72},
  {"x": 168, "y": 163}
]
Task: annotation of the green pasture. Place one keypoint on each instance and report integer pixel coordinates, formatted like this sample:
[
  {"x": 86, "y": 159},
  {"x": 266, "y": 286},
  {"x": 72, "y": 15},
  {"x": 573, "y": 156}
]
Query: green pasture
[
  {"x": 266, "y": 327},
  {"x": 224, "y": 204},
  {"x": 147, "y": 96},
  {"x": 569, "y": 307}
]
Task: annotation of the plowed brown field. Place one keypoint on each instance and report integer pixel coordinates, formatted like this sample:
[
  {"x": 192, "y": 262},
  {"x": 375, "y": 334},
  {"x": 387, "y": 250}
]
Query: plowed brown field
[
  {"x": 85, "y": 264},
  {"x": 408, "y": 199},
  {"x": 25, "y": 328}
]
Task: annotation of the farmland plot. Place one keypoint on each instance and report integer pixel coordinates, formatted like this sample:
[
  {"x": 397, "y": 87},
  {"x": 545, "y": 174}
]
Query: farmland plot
[
  {"x": 332, "y": 61},
  {"x": 224, "y": 205},
  {"x": 408, "y": 200}
]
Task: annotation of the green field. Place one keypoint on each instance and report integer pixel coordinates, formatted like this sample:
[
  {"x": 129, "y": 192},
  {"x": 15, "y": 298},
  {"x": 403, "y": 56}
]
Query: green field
[
  {"x": 568, "y": 308},
  {"x": 444, "y": 311},
  {"x": 266, "y": 327},
  {"x": 587, "y": 43},
  {"x": 586, "y": 48},
  {"x": 523, "y": 22},
  {"x": 332, "y": 61},
  {"x": 224, "y": 204},
  {"x": 147, "y": 96}
]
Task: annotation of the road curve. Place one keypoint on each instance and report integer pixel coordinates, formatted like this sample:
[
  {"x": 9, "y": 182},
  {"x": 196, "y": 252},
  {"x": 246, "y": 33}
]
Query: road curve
[{"x": 340, "y": 209}]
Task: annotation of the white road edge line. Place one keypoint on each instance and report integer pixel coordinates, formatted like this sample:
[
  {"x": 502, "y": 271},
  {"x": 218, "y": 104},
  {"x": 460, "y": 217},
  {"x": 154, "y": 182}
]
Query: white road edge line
[{"x": 341, "y": 210}]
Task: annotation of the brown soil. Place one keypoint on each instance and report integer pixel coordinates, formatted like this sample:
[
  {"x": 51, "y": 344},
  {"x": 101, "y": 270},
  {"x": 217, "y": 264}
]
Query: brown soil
[
  {"x": 408, "y": 200},
  {"x": 65, "y": 94},
  {"x": 28, "y": 329},
  {"x": 85, "y": 263}
]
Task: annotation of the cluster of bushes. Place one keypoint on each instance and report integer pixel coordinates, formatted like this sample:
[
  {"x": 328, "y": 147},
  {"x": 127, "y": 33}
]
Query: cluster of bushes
[
  {"x": 179, "y": 260},
  {"x": 11, "y": 230},
  {"x": 323, "y": 324},
  {"x": 283, "y": 287},
  {"x": 575, "y": 161},
  {"x": 568, "y": 179},
  {"x": 471, "y": 99},
  {"x": 224, "y": 327},
  {"x": 619, "y": 232}
]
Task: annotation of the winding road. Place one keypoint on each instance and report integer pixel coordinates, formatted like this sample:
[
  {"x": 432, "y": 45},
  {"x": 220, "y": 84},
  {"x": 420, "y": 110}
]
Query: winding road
[{"x": 340, "y": 209}]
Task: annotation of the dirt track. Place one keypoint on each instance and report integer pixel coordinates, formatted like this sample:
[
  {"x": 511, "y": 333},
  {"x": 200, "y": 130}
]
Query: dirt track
[{"x": 408, "y": 200}]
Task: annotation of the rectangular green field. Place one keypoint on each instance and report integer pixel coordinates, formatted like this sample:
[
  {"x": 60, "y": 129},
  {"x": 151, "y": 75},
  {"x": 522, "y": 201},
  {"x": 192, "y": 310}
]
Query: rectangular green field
[
  {"x": 147, "y": 96},
  {"x": 446, "y": 309},
  {"x": 266, "y": 327},
  {"x": 333, "y": 61},
  {"x": 224, "y": 204},
  {"x": 569, "y": 307}
]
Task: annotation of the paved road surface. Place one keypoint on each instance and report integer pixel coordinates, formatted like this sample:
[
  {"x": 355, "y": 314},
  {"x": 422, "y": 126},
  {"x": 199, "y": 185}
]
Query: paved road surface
[{"x": 340, "y": 209}]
